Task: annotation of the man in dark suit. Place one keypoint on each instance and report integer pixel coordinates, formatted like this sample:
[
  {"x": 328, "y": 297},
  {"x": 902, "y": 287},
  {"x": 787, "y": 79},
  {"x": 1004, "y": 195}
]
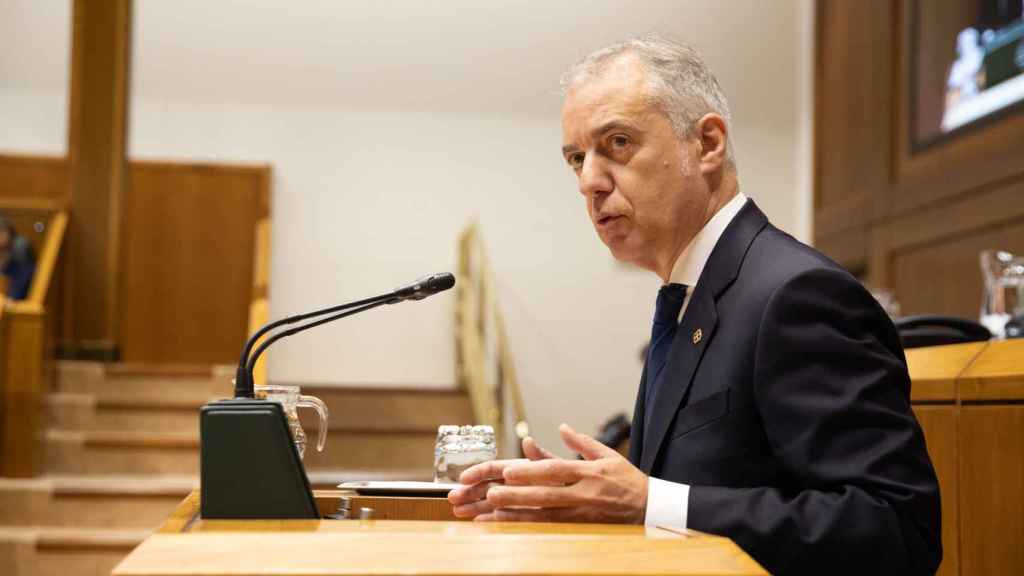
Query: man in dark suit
[{"x": 774, "y": 406}]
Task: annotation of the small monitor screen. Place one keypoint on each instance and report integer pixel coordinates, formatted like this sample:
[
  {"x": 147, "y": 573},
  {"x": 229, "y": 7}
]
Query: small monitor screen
[{"x": 968, "y": 63}]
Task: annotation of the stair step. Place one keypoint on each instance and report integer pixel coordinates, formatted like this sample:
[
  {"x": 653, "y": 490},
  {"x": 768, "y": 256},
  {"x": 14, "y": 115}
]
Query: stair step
[
  {"x": 373, "y": 449},
  {"x": 93, "y": 501},
  {"x": 114, "y": 380},
  {"x": 69, "y": 411},
  {"x": 104, "y": 452},
  {"x": 389, "y": 408},
  {"x": 64, "y": 551},
  {"x": 133, "y": 452},
  {"x": 351, "y": 409}
]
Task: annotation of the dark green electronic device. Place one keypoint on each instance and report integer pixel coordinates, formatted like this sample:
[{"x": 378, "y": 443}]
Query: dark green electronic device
[{"x": 249, "y": 467}]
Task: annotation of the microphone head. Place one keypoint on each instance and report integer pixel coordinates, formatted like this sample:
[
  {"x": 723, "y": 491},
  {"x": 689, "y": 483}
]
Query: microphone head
[
  {"x": 440, "y": 282},
  {"x": 425, "y": 286}
]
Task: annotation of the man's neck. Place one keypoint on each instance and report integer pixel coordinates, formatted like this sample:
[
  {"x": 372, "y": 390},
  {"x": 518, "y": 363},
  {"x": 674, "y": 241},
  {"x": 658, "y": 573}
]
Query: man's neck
[{"x": 721, "y": 196}]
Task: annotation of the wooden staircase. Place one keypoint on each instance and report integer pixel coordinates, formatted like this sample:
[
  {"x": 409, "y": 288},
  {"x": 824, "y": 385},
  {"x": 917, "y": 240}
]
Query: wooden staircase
[{"x": 122, "y": 445}]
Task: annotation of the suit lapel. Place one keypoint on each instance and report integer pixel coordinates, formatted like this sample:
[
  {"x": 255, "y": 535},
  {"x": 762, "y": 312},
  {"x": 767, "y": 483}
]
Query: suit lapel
[{"x": 676, "y": 378}]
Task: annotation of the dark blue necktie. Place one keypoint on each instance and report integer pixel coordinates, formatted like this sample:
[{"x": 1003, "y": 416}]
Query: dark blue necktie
[{"x": 663, "y": 332}]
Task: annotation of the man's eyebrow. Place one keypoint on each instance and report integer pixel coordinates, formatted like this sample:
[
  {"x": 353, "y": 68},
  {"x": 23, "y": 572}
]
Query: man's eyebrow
[
  {"x": 612, "y": 125},
  {"x": 568, "y": 148}
]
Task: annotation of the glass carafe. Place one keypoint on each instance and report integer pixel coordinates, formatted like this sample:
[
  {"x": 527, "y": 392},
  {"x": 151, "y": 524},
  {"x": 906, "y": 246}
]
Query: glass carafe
[
  {"x": 1003, "y": 298},
  {"x": 291, "y": 399}
]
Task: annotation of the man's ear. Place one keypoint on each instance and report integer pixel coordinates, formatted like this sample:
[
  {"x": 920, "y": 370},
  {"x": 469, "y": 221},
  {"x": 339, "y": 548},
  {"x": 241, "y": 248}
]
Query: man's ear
[{"x": 713, "y": 137}]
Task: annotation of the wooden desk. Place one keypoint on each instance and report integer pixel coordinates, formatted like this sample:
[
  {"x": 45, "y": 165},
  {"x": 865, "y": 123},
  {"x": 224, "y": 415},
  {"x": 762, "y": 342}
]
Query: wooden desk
[{"x": 187, "y": 545}]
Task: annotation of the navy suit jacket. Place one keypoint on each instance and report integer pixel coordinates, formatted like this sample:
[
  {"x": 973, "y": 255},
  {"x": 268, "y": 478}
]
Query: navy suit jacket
[{"x": 785, "y": 405}]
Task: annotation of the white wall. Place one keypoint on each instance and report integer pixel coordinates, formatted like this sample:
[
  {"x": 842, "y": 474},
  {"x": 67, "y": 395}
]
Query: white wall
[
  {"x": 35, "y": 50},
  {"x": 390, "y": 125}
]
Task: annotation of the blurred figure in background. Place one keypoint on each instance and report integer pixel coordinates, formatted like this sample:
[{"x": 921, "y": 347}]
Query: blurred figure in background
[{"x": 17, "y": 261}]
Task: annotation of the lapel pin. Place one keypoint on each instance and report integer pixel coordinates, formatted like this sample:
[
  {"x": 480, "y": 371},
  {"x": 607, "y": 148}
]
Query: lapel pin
[{"x": 697, "y": 335}]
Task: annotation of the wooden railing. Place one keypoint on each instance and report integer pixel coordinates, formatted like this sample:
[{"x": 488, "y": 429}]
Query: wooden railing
[
  {"x": 26, "y": 355},
  {"x": 484, "y": 365}
]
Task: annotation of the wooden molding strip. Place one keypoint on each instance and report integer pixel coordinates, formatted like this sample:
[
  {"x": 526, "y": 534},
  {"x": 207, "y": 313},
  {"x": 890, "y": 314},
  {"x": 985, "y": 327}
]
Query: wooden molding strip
[
  {"x": 257, "y": 169},
  {"x": 31, "y": 203}
]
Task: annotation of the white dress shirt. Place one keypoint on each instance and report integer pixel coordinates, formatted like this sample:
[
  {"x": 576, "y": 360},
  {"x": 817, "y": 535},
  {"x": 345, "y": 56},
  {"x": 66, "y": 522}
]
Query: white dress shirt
[{"x": 668, "y": 502}]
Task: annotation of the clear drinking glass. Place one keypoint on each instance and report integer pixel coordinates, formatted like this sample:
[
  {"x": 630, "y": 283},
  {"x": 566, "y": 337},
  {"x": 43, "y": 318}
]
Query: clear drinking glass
[
  {"x": 291, "y": 399},
  {"x": 459, "y": 447},
  {"x": 1004, "y": 289}
]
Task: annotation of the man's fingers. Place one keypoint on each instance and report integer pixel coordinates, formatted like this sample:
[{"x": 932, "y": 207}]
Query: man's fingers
[
  {"x": 468, "y": 494},
  {"x": 491, "y": 470},
  {"x": 549, "y": 472},
  {"x": 584, "y": 445},
  {"x": 533, "y": 451},
  {"x": 473, "y": 509},
  {"x": 531, "y": 496}
]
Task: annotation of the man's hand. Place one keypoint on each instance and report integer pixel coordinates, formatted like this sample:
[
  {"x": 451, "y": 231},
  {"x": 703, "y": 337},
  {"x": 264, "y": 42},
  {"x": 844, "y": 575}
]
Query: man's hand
[{"x": 604, "y": 487}]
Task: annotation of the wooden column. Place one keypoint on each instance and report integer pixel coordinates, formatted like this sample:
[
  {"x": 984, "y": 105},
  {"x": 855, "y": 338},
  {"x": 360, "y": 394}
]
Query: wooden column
[{"x": 97, "y": 151}]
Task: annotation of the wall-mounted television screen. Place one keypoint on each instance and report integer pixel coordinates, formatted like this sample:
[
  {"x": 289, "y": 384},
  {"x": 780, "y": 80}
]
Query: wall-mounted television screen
[{"x": 968, "y": 64}]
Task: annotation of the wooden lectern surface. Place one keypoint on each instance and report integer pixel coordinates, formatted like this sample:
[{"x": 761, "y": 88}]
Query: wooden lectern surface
[
  {"x": 968, "y": 400},
  {"x": 934, "y": 370},
  {"x": 186, "y": 545}
]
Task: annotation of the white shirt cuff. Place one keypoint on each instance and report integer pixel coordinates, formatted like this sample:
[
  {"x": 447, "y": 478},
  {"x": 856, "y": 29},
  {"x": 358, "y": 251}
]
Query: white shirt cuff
[{"x": 667, "y": 503}]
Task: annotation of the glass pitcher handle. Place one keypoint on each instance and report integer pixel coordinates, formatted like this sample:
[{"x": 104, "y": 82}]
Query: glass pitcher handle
[{"x": 321, "y": 409}]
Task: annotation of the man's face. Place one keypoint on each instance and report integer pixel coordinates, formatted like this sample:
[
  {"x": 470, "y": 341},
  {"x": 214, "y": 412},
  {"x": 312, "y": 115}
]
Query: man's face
[{"x": 644, "y": 190}]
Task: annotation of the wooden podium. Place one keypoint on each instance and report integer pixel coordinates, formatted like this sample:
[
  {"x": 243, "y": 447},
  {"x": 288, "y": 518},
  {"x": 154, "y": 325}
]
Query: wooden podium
[
  {"x": 969, "y": 399},
  {"x": 188, "y": 545}
]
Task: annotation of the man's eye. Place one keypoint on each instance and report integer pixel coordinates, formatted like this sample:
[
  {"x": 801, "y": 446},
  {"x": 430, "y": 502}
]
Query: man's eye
[
  {"x": 575, "y": 160},
  {"x": 618, "y": 142}
]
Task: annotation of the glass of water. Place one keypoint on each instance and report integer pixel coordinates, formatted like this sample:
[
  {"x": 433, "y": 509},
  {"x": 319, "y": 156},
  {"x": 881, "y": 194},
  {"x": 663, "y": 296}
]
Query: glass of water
[{"x": 459, "y": 447}]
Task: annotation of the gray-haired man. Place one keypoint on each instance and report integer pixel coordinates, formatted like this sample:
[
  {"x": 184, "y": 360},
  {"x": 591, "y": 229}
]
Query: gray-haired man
[{"x": 774, "y": 406}]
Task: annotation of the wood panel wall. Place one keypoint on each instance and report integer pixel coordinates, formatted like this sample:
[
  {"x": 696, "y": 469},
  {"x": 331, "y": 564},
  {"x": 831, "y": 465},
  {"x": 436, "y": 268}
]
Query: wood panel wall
[
  {"x": 912, "y": 221},
  {"x": 34, "y": 182},
  {"x": 188, "y": 267},
  {"x": 190, "y": 233},
  {"x": 32, "y": 188}
]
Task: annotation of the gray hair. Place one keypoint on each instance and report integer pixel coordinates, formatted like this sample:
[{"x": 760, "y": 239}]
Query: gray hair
[{"x": 679, "y": 82}]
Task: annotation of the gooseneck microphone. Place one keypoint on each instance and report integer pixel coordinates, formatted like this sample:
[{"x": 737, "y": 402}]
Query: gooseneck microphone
[
  {"x": 249, "y": 467},
  {"x": 418, "y": 290},
  {"x": 426, "y": 286}
]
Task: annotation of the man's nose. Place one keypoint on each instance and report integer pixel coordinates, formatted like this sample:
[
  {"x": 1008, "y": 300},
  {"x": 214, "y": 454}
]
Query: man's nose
[{"x": 594, "y": 177}]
